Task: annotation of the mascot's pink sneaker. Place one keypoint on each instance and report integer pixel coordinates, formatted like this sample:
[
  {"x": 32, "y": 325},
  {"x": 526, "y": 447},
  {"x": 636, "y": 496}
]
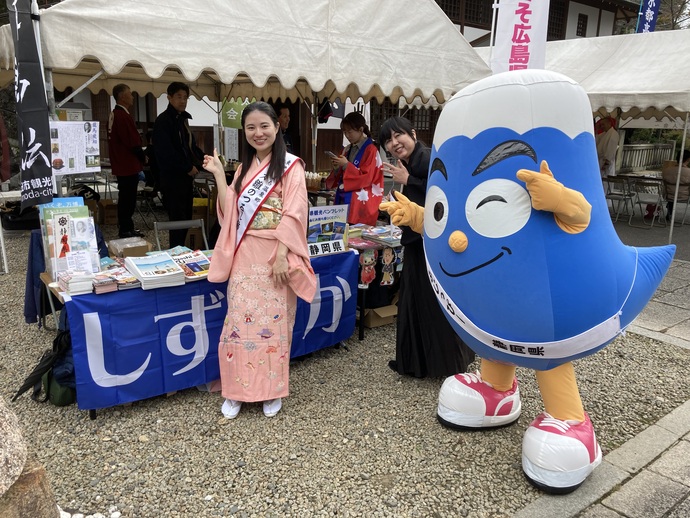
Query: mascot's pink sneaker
[
  {"x": 557, "y": 456},
  {"x": 465, "y": 401}
]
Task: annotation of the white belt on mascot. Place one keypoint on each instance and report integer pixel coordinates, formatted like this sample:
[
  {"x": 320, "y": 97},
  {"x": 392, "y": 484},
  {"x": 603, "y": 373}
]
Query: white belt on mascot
[{"x": 525, "y": 262}]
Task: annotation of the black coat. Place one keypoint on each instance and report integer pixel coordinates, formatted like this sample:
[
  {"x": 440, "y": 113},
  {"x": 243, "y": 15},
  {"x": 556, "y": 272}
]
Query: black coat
[
  {"x": 415, "y": 190},
  {"x": 175, "y": 156}
]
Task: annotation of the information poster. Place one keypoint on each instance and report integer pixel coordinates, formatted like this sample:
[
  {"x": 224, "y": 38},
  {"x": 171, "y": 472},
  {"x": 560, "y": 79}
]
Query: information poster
[
  {"x": 229, "y": 136},
  {"x": 231, "y": 142},
  {"x": 327, "y": 229},
  {"x": 75, "y": 147}
]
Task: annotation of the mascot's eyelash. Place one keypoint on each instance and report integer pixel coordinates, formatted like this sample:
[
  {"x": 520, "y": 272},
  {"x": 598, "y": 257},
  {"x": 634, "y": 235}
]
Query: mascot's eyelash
[
  {"x": 506, "y": 150},
  {"x": 488, "y": 199}
]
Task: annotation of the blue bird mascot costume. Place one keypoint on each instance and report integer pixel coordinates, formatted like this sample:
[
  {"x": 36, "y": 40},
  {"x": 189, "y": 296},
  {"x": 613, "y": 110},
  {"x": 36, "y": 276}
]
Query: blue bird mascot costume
[{"x": 525, "y": 262}]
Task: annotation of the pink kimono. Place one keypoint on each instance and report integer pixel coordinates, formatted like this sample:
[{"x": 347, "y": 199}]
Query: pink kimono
[{"x": 254, "y": 349}]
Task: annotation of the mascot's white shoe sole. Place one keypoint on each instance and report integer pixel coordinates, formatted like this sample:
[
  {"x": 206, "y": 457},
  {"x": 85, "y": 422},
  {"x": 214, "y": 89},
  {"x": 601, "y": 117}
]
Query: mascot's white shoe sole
[
  {"x": 557, "y": 456},
  {"x": 465, "y": 401}
]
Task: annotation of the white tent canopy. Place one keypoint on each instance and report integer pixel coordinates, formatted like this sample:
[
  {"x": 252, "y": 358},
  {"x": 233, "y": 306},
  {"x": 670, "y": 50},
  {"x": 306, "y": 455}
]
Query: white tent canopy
[
  {"x": 632, "y": 75},
  {"x": 293, "y": 49}
]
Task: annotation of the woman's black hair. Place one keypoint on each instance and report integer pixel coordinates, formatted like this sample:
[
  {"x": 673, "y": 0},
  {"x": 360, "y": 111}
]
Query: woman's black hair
[
  {"x": 356, "y": 120},
  {"x": 277, "y": 165},
  {"x": 395, "y": 125}
]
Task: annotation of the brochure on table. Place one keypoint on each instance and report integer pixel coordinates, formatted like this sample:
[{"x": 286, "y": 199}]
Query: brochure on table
[
  {"x": 69, "y": 237},
  {"x": 327, "y": 232}
]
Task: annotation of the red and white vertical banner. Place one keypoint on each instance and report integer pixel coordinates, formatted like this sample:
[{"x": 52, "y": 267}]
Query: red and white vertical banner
[{"x": 520, "y": 40}]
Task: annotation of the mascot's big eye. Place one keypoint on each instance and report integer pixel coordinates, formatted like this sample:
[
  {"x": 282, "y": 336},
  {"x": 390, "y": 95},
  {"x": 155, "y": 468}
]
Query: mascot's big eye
[
  {"x": 435, "y": 212},
  {"x": 498, "y": 208},
  {"x": 439, "y": 211}
]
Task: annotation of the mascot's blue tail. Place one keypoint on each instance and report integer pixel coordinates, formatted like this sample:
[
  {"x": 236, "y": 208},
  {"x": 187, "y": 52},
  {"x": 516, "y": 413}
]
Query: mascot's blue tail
[{"x": 652, "y": 265}]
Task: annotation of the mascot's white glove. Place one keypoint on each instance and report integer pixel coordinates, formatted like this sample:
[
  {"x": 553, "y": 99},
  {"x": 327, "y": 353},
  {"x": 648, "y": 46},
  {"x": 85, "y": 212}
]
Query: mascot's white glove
[
  {"x": 404, "y": 212},
  {"x": 570, "y": 208}
]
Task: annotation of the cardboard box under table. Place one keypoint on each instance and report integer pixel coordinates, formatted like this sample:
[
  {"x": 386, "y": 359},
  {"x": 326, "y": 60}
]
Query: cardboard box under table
[
  {"x": 377, "y": 298},
  {"x": 382, "y": 316},
  {"x": 107, "y": 212}
]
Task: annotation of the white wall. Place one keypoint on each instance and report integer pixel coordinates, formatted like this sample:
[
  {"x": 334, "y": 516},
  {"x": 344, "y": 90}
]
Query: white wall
[
  {"x": 202, "y": 114},
  {"x": 574, "y": 9},
  {"x": 472, "y": 33}
]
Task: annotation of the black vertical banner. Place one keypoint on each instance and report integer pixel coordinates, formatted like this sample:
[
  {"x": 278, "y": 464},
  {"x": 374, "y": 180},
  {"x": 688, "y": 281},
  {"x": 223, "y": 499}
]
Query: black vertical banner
[{"x": 32, "y": 108}]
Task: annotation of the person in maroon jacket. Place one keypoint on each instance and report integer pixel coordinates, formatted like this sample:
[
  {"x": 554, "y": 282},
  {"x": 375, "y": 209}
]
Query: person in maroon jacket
[{"x": 126, "y": 158}]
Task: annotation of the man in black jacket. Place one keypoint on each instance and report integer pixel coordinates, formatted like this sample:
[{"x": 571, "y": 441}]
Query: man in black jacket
[{"x": 179, "y": 158}]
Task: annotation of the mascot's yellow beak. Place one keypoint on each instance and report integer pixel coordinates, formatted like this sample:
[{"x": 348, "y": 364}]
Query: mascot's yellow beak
[{"x": 458, "y": 241}]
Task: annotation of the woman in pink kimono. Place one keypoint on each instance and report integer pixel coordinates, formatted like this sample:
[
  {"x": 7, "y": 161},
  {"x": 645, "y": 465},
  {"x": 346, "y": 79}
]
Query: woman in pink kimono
[{"x": 262, "y": 250}]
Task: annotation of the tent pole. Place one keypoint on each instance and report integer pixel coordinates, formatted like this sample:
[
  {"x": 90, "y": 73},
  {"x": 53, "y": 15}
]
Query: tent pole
[
  {"x": 46, "y": 73},
  {"x": 680, "y": 164},
  {"x": 75, "y": 92},
  {"x": 36, "y": 20},
  {"x": 314, "y": 132},
  {"x": 639, "y": 16},
  {"x": 50, "y": 94},
  {"x": 492, "y": 35}
]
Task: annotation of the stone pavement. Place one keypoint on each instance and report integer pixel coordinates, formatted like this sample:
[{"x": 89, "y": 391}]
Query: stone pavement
[{"x": 649, "y": 476}]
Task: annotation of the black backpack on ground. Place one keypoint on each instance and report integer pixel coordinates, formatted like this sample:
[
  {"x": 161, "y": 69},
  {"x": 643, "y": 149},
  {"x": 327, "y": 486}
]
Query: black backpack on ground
[
  {"x": 86, "y": 192},
  {"x": 54, "y": 374}
]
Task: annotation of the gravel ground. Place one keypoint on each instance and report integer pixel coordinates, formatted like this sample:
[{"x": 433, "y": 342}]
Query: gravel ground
[{"x": 353, "y": 438}]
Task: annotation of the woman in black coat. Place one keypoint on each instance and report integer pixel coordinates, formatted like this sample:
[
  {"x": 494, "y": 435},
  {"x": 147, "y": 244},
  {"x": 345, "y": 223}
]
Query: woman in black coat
[{"x": 426, "y": 344}]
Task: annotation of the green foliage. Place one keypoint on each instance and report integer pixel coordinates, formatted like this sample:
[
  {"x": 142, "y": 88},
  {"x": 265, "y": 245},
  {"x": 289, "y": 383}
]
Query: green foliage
[
  {"x": 7, "y": 110},
  {"x": 673, "y": 14},
  {"x": 654, "y": 136}
]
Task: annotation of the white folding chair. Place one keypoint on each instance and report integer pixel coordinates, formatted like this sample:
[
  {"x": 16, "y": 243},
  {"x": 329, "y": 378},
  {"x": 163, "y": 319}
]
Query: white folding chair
[
  {"x": 619, "y": 194},
  {"x": 650, "y": 192},
  {"x": 160, "y": 226}
]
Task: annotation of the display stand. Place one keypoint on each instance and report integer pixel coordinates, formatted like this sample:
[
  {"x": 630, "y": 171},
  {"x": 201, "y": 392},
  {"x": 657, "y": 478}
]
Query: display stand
[
  {"x": 51, "y": 291},
  {"x": 372, "y": 294}
]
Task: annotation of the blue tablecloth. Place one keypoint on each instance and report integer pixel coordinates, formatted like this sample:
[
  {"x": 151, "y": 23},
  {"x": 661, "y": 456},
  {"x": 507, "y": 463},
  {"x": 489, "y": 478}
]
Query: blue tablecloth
[{"x": 134, "y": 344}]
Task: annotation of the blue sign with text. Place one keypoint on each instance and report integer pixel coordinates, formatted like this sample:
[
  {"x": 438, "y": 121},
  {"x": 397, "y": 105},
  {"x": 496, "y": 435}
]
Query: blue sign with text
[{"x": 135, "y": 344}]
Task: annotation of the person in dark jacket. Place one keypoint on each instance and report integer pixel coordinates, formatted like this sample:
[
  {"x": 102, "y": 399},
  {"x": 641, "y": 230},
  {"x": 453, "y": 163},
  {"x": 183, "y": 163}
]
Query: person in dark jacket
[
  {"x": 284, "y": 120},
  {"x": 126, "y": 158},
  {"x": 178, "y": 157},
  {"x": 425, "y": 343}
]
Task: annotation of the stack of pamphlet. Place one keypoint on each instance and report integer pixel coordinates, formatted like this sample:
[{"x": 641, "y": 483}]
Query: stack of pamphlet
[
  {"x": 124, "y": 278},
  {"x": 388, "y": 235},
  {"x": 106, "y": 263},
  {"x": 356, "y": 229},
  {"x": 359, "y": 243},
  {"x": 104, "y": 283},
  {"x": 194, "y": 263},
  {"x": 155, "y": 271},
  {"x": 75, "y": 283},
  {"x": 114, "y": 269}
]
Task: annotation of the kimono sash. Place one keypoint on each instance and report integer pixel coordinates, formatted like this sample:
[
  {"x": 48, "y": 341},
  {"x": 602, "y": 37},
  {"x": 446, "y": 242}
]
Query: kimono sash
[{"x": 254, "y": 195}]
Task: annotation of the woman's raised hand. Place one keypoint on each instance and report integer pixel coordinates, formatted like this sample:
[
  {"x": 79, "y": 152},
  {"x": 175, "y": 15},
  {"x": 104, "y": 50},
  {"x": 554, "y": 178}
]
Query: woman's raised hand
[
  {"x": 398, "y": 172},
  {"x": 212, "y": 163}
]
